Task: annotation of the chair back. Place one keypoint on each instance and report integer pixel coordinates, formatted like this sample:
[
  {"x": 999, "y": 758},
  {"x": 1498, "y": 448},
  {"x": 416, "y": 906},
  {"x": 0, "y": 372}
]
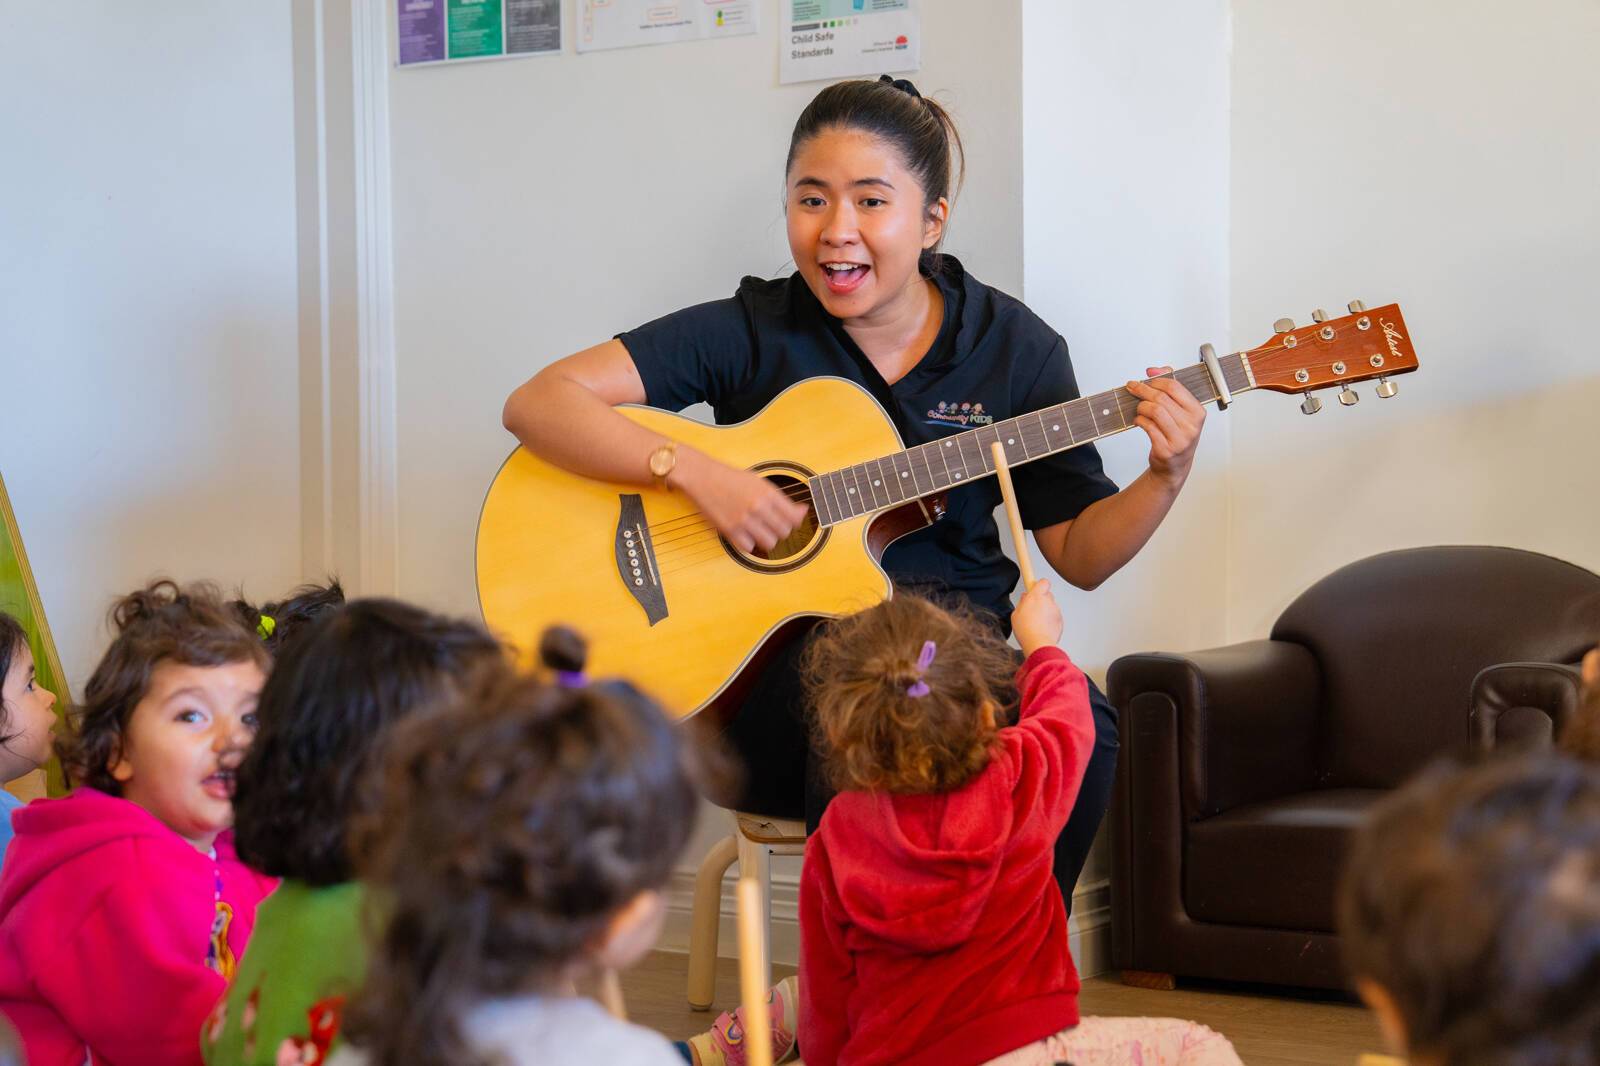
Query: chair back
[{"x": 1400, "y": 636}]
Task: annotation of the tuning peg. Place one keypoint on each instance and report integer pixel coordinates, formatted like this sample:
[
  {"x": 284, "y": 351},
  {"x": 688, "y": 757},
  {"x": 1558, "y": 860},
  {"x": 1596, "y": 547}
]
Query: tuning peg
[
  {"x": 1386, "y": 388},
  {"x": 1310, "y": 405},
  {"x": 1319, "y": 315},
  {"x": 1283, "y": 325},
  {"x": 1356, "y": 307},
  {"x": 1349, "y": 397}
]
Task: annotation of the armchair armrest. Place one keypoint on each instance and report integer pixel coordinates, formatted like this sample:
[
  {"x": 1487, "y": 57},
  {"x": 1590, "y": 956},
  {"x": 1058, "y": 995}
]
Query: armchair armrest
[
  {"x": 1246, "y": 717},
  {"x": 1523, "y": 704}
]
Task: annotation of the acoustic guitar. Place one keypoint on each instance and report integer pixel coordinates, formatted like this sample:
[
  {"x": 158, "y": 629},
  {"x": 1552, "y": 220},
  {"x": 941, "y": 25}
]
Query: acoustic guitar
[{"x": 664, "y": 600}]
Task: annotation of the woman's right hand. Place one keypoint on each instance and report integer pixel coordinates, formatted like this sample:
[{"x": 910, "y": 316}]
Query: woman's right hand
[
  {"x": 746, "y": 508},
  {"x": 1037, "y": 619}
]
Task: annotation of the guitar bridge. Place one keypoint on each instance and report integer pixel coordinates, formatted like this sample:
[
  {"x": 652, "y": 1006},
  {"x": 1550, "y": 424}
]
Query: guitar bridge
[{"x": 636, "y": 558}]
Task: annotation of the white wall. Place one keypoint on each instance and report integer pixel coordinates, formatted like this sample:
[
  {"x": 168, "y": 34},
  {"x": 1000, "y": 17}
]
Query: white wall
[
  {"x": 1125, "y": 206},
  {"x": 1445, "y": 155},
  {"x": 147, "y": 301}
]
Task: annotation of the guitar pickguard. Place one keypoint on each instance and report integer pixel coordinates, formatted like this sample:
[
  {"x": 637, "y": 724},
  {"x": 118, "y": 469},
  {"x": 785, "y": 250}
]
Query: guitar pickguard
[{"x": 636, "y": 558}]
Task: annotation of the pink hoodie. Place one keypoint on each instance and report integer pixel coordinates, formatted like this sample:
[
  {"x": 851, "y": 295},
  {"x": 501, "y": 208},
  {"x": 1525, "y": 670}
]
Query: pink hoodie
[{"x": 105, "y": 922}]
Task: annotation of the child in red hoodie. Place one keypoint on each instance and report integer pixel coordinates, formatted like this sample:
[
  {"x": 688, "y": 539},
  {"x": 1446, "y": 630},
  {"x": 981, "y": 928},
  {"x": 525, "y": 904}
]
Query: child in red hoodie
[
  {"x": 122, "y": 906},
  {"x": 931, "y": 928}
]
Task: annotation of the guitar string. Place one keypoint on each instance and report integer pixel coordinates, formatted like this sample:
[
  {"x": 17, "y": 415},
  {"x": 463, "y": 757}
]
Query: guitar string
[
  {"x": 695, "y": 535},
  {"x": 687, "y": 527},
  {"x": 696, "y": 522}
]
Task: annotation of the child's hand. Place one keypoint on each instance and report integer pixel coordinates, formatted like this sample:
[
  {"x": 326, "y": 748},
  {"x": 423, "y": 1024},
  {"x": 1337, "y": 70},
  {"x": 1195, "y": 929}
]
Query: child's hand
[{"x": 1037, "y": 619}]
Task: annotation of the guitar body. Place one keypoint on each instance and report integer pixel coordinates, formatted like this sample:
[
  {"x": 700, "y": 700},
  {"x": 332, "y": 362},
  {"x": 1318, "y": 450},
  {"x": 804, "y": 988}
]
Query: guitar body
[{"x": 553, "y": 548}]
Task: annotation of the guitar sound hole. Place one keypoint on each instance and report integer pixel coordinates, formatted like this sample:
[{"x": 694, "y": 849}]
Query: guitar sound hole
[{"x": 803, "y": 535}]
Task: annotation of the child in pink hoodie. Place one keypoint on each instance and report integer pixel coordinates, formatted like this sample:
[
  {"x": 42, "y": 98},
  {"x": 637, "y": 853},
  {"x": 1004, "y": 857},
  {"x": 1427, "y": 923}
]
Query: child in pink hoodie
[{"x": 123, "y": 908}]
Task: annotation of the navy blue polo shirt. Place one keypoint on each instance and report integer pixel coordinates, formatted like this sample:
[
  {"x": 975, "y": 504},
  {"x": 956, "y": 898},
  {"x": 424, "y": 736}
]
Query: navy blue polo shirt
[{"x": 993, "y": 359}]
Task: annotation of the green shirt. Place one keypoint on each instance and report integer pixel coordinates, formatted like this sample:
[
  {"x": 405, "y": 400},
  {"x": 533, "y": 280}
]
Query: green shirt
[{"x": 305, "y": 959}]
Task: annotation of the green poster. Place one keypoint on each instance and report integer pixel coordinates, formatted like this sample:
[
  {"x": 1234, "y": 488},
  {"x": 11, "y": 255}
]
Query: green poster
[
  {"x": 475, "y": 29},
  {"x": 19, "y": 597}
]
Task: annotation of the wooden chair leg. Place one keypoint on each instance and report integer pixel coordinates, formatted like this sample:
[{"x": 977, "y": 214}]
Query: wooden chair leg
[
  {"x": 1156, "y": 982},
  {"x": 755, "y": 862},
  {"x": 705, "y": 920}
]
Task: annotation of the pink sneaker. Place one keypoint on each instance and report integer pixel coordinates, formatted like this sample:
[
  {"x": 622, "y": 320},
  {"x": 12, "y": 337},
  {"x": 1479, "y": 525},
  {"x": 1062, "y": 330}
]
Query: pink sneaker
[{"x": 723, "y": 1045}]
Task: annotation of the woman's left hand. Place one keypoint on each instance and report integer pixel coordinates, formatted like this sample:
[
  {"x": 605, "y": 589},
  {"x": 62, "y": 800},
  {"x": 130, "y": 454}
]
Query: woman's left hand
[{"x": 1171, "y": 417}]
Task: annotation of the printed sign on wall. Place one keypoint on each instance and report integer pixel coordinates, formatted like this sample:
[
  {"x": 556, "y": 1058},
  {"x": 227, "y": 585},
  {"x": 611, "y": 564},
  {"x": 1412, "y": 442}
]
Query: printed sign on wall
[
  {"x": 827, "y": 39},
  {"x": 437, "y": 31}
]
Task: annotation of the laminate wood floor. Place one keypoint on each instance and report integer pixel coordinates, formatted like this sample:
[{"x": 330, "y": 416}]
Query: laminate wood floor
[{"x": 1276, "y": 1028}]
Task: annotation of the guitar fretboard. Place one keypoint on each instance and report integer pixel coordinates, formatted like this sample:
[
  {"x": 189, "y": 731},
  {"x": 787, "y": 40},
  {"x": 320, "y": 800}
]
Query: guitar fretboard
[{"x": 878, "y": 484}]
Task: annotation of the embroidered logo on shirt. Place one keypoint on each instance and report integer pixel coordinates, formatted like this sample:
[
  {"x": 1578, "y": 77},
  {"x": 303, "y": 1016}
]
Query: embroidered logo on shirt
[{"x": 959, "y": 414}]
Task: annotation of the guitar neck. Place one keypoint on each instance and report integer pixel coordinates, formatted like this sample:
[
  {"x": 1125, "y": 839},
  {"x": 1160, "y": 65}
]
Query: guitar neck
[{"x": 879, "y": 484}]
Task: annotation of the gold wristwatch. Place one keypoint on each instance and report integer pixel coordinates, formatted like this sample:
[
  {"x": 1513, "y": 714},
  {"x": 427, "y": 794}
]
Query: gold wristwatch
[{"x": 662, "y": 462}]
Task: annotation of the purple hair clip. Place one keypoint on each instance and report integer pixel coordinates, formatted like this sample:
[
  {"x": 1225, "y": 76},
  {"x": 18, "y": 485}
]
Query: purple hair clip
[
  {"x": 571, "y": 678},
  {"x": 919, "y": 688}
]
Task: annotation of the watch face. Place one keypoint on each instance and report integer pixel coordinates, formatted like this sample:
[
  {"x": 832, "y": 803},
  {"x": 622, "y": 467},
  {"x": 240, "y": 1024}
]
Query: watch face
[{"x": 662, "y": 461}]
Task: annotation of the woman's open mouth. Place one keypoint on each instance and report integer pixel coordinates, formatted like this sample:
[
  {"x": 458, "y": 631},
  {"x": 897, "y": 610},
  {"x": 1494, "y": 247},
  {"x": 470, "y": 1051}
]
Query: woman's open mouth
[
  {"x": 844, "y": 277},
  {"x": 219, "y": 785}
]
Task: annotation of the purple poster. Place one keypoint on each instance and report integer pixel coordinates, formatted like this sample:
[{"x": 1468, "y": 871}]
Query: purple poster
[{"x": 421, "y": 30}]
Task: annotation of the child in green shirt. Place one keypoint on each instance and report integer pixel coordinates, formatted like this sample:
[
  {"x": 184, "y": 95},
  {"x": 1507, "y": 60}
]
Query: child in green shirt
[{"x": 334, "y": 693}]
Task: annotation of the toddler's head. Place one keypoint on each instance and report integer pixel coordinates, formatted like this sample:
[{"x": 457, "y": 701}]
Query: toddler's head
[
  {"x": 523, "y": 837},
  {"x": 1470, "y": 914},
  {"x": 906, "y": 694},
  {"x": 26, "y": 718},
  {"x": 332, "y": 697},
  {"x": 170, "y": 710}
]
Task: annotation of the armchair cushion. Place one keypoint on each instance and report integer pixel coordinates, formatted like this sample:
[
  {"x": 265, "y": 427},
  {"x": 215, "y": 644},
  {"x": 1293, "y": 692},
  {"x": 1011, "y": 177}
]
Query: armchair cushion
[
  {"x": 1246, "y": 717},
  {"x": 1276, "y": 864}
]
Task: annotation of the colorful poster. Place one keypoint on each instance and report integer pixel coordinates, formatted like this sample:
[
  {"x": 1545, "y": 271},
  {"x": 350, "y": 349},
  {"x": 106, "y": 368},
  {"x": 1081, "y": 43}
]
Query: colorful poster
[
  {"x": 827, "y": 39},
  {"x": 438, "y": 31},
  {"x": 626, "y": 23},
  {"x": 421, "y": 31},
  {"x": 533, "y": 27},
  {"x": 476, "y": 28}
]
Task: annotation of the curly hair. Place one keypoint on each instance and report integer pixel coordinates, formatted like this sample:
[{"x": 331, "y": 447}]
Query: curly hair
[
  {"x": 290, "y": 615},
  {"x": 512, "y": 826},
  {"x": 324, "y": 712},
  {"x": 161, "y": 622},
  {"x": 1472, "y": 897},
  {"x": 13, "y": 638},
  {"x": 873, "y": 734}
]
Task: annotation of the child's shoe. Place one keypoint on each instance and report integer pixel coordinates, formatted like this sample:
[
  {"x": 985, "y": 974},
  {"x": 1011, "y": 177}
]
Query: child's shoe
[{"x": 724, "y": 1044}]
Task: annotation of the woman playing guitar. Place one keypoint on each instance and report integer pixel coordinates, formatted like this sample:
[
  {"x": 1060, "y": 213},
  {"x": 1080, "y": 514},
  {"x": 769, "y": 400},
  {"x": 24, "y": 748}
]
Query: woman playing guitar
[{"x": 868, "y": 192}]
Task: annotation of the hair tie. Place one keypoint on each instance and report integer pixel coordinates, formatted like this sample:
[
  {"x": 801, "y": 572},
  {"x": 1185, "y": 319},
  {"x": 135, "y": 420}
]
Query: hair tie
[
  {"x": 919, "y": 688},
  {"x": 571, "y": 678},
  {"x": 266, "y": 626},
  {"x": 902, "y": 84}
]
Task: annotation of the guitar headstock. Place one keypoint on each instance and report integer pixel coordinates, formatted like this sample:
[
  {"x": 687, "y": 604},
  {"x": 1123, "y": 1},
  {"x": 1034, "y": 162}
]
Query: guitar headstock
[{"x": 1362, "y": 345}]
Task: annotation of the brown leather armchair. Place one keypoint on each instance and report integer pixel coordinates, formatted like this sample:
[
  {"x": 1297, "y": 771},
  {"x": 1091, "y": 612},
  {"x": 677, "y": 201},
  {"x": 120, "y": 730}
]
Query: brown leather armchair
[{"x": 1244, "y": 769}]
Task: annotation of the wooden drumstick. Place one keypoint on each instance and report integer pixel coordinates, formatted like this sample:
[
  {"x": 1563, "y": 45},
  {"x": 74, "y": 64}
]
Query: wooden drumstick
[
  {"x": 611, "y": 995},
  {"x": 752, "y": 974},
  {"x": 1009, "y": 494}
]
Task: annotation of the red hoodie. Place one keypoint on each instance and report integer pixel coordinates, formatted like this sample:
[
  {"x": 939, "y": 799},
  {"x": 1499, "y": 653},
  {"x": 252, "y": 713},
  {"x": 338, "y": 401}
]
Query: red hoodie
[
  {"x": 105, "y": 922},
  {"x": 931, "y": 927}
]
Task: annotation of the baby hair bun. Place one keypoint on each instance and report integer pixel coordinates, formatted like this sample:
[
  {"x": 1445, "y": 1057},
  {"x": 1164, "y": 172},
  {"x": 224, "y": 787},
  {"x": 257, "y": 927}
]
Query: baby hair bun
[{"x": 562, "y": 650}]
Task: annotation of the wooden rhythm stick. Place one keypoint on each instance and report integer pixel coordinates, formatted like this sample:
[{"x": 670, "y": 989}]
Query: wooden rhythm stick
[
  {"x": 611, "y": 995},
  {"x": 1002, "y": 473},
  {"x": 752, "y": 968}
]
